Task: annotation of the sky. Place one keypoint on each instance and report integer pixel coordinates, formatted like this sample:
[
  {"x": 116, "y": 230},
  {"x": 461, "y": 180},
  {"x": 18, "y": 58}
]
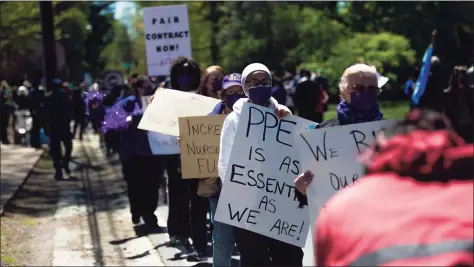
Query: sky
[{"x": 121, "y": 8}]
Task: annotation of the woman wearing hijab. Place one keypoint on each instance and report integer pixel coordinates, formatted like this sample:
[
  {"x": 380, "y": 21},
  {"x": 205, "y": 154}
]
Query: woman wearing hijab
[
  {"x": 211, "y": 82},
  {"x": 256, "y": 249},
  {"x": 223, "y": 234},
  {"x": 359, "y": 90},
  {"x": 413, "y": 207}
]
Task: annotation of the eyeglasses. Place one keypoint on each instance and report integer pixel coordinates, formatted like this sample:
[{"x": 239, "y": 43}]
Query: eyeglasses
[
  {"x": 362, "y": 88},
  {"x": 255, "y": 83}
]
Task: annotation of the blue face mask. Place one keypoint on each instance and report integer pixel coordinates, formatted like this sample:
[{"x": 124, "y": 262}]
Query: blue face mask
[
  {"x": 184, "y": 81},
  {"x": 260, "y": 95},
  {"x": 231, "y": 99},
  {"x": 363, "y": 101}
]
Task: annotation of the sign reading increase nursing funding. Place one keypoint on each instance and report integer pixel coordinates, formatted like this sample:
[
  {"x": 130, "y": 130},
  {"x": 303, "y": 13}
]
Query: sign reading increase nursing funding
[
  {"x": 200, "y": 138},
  {"x": 167, "y": 37}
]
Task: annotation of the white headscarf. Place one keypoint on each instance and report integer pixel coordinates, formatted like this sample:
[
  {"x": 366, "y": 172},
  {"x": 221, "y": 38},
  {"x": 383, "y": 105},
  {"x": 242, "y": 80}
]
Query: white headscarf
[{"x": 252, "y": 68}]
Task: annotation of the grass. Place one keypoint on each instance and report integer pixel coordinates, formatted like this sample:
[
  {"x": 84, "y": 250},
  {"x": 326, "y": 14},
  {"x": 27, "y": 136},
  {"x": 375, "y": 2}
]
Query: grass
[
  {"x": 390, "y": 110},
  {"x": 8, "y": 260}
]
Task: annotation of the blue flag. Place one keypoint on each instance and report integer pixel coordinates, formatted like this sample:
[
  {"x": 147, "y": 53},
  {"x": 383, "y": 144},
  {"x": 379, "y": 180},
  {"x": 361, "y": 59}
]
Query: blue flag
[{"x": 423, "y": 78}]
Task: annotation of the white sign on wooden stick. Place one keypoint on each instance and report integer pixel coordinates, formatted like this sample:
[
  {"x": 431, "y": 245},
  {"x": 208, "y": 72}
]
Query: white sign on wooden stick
[
  {"x": 167, "y": 37},
  {"x": 162, "y": 113},
  {"x": 258, "y": 192},
  {"x": 331, "y": 154}
]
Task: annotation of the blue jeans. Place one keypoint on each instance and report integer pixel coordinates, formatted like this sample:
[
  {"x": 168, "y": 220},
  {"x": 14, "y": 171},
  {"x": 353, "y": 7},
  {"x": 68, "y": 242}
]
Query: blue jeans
[{"x": 222, "y": 238}]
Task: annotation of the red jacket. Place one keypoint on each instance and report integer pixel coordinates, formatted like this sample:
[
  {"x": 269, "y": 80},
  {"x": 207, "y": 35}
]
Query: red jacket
[{"x": 397, "y": 215}]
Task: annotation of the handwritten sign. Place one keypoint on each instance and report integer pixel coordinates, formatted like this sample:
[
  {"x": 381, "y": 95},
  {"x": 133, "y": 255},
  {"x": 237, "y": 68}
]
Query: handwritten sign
[
  {"x": 200, "y": 138},
  {"x": 161, "y": 144},
  {"x": 167, "y": 37},
  {"x": 162, "y": 113},
  {"x": 330, "y": 153},
  {"x": 258, "y": 192}
]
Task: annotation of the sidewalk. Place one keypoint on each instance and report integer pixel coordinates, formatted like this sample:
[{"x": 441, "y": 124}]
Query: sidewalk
[{"x": 16, "y": 163}]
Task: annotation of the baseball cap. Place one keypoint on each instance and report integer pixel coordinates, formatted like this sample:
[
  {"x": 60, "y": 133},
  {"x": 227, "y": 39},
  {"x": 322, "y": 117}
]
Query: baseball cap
[{"x": 231, "y": 80}]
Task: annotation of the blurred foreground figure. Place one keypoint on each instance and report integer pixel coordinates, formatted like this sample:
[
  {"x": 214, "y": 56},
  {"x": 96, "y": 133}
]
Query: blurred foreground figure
[{"x": 414, "y": 205}]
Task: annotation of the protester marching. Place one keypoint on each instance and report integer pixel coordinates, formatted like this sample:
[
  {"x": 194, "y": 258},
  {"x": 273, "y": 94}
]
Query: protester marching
[{"x": 259, "y": 160}]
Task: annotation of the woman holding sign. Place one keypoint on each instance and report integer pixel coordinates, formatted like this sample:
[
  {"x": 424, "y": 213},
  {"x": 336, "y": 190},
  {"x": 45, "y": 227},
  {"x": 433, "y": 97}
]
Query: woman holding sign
[
  {"x": 187, "y": 211},
  {"x": 256, "y": 249},
  {"x": 223, "y": 234},
  {"x": 359, "y": 90},
  {"x": 414, "y": 206}
]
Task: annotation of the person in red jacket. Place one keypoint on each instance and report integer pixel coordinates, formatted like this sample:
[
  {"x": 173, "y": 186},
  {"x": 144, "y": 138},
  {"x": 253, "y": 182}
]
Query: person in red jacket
[{"x": 414, "y": 207}]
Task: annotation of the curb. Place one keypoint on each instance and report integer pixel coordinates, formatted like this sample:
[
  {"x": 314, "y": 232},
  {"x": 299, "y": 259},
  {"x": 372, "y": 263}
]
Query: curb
[{"x": 2, "y": 209}]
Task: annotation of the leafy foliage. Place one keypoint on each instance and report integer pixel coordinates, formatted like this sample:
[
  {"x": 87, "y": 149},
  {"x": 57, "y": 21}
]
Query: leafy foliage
[{"x": 321, "y": 36}]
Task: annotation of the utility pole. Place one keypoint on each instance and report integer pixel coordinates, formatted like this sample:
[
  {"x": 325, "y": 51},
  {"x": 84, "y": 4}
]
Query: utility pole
[
  {"x": 214, "y": 18},
  {"x": 49, "y": 48}
]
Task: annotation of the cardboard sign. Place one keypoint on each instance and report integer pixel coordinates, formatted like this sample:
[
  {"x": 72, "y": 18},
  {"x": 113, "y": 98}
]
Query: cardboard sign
[
  {"x": 167, "y": 37},
  {"x": 161, "y": 144},
  {"x": 200, "y": 138},
  {"x": 258, "y": 191},
  {"x": 331, "y": 154},
  {"x": 162, "y": 113}
]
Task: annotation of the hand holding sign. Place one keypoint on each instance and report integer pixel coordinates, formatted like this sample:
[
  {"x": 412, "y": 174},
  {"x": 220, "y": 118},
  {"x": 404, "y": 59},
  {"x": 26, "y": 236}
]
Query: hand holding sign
[{"x": 303, "y": 180}]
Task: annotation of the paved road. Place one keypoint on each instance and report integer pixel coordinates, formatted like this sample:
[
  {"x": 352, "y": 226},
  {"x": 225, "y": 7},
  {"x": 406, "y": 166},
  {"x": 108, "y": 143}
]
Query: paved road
[
  {"x": 85, "y": 221},
  {"x": 16, "y": 162}
]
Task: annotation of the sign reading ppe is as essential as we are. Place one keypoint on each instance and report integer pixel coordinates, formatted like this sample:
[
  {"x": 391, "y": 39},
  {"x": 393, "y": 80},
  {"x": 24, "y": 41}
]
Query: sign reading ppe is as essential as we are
[
  {"x": 258, "y": 191},
  {"x": 167, "y": 37}
]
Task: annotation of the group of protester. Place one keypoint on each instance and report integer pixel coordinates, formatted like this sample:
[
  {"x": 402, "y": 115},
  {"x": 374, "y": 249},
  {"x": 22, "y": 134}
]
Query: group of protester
[
  {"x": 414, "y": 205},
  {"x": 435, "y": 147}
]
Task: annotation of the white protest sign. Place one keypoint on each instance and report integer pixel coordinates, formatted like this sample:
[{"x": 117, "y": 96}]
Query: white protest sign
[
  {"x": 161, "y": 144},
  {"x": 167, "y": 37},
  {"x": 258, "y": 192},
  {"x": 145, "y": 101},
  {"x": 162, "y": 113},
  {"x": 331, "y": 154}
]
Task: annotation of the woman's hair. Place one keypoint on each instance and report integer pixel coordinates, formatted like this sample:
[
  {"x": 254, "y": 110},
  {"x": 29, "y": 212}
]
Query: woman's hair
[
  {"x": 423, "y": 146},
  {"x": 205, "y": 78},
  {"x": 186, "y": 66},
  {"x": 360, "y": 69}
]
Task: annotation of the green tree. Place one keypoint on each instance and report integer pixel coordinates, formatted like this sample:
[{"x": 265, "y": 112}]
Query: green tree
[{"x": 388, "y": 52}]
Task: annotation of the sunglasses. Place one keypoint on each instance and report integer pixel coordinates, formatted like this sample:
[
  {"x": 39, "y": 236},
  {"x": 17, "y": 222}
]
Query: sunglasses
[
  {"x": 363, "y": 89},
  {"x": 255, "y": 82}
]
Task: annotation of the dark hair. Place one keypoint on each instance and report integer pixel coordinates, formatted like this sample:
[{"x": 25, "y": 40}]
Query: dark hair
[
  {"x": 190, "y": 67},
  {"x": 305, "y": 73},
  {"x": 420, "y": 119}
]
